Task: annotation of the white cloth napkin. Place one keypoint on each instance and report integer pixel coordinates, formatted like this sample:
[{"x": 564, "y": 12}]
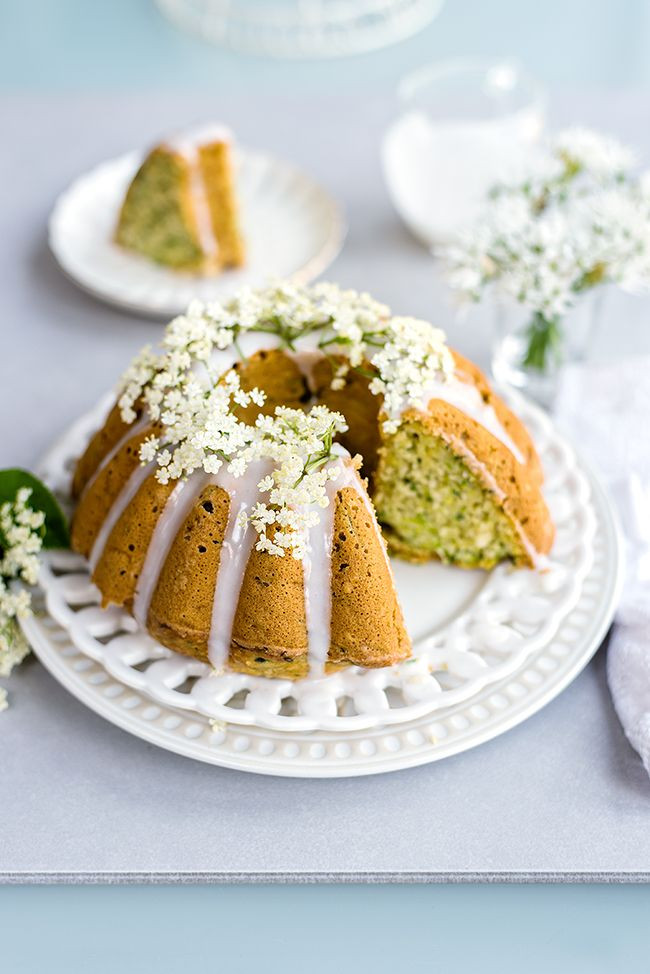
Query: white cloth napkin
[{"x": 606, "y": 411}]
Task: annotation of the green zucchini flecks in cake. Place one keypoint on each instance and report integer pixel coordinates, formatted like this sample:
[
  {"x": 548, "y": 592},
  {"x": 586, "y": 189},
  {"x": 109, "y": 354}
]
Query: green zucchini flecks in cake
[
  {"x": 433, "y": 504},
  {"x": 152, "y": 221}
]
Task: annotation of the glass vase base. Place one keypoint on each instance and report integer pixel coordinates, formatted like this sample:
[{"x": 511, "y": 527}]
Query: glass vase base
[{"x": 508, "y": 369}]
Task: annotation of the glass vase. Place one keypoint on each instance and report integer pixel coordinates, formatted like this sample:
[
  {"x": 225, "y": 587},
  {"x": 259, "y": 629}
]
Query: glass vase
[{"x": 530, "y": 350}]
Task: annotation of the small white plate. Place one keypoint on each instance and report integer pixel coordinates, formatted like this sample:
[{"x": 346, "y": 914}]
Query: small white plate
[
  {"x": 494, "y": 649},
  {"x": 292, "y": 227}
]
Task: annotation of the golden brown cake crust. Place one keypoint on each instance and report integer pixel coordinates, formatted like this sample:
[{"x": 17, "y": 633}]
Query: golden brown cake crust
[
  {"x": 520, "y": 483},
  {"x": 271, "y": 618},
  {"x": 491, "y": 461},
  {"x": 180, "y": 612},
  {"x": 367, "y": 627},
  {"x": 277, "y": 375},
  {"x": 216, "y": 168},
  {"x": 244, "y": 661},
  {"x": 367, "y": 623},
  {"x": 269, "y": 634},
  {"x": 101, "y": 443},
  {"x": 118, "y": 569},
  {"x": 102, "y": 491},
  {"x": 208, "y": 263}
]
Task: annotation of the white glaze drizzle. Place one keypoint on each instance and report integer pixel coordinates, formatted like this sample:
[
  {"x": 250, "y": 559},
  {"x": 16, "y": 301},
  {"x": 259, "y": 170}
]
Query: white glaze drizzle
[
  {"x": 540, "y": 562},
  {"x": 236, "y": 547},
  {"x": 317, "y": 565},
  {"x": 466, "y": 397},
  {"x": 123, "y": 499},
  {"x": 354, "y": 480},
  {"x": 179, "y": 503},
  {"x": 317, "y": 575}
]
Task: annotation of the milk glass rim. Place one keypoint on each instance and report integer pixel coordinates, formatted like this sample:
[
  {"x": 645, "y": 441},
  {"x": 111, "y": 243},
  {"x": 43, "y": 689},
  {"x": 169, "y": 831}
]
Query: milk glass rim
[{"x": 515, "y": 78}]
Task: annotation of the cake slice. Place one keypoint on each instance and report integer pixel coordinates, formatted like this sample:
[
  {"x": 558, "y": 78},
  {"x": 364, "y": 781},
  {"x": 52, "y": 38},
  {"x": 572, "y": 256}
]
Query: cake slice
[
  {"x": 447, "y": 488},
  {"x": 444, "y": 485},
  {"x": 180, "y": 209}
]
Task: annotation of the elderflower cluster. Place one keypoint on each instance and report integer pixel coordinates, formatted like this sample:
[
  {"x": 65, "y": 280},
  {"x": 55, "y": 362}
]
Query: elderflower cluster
[
  {"x": 193, "y": 404},
  {"x": 351, "y": 322},
  {"x": 20, "y": 542},
  {"x": 299, "y": 445},
  {"x": 594, "y": 154},
  {"x": 206, "y": 434},
  {"x": 355, "y": 332},
  {"x": 200, "y": 429},
  {"x": 411, "y": 360},
  {"x": 578, "y": 219}
]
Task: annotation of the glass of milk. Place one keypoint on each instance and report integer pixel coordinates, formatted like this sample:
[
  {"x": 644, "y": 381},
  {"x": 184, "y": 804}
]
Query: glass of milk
[{"x": 464, "y": 125}]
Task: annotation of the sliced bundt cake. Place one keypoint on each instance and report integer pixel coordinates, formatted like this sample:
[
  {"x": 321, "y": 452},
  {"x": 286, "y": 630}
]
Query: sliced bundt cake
[
  {"x": 215, "y": 505},
  {"x": 181, "y": 209}
]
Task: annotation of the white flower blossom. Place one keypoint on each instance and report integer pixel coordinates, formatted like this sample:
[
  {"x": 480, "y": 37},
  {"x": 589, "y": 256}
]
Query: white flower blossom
[
  {"x": 579, "y": 218},
  {"x": 600, "y": 156},
  {"x": 410, "y": 360},
  {"x": 20, "y": 542},
  {"x": 194, "y": 405}
]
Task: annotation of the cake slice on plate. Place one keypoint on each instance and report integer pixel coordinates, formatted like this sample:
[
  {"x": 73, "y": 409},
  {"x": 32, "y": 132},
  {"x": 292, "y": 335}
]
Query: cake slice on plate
[{"x": 180, "y": 209}]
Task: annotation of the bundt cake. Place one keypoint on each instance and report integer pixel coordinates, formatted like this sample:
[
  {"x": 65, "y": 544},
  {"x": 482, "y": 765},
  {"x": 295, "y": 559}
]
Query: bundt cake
[
  {"x": 231, "y": 451},
  {"x": 180, "y": 210}
]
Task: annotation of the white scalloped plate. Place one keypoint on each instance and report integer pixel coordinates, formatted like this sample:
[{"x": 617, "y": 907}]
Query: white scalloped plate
[
  {"x": 293, "y": 229},
  {"x": 493, "y": 649}
]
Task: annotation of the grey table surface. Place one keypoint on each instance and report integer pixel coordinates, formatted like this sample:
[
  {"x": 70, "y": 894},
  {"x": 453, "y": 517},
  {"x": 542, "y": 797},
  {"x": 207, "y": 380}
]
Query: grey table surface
[{"x": 562, "y": 796}]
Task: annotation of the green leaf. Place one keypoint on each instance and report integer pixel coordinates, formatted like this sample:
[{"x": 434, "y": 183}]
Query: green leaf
[
  {"x": 544, "y": 342},
  {"x": 41, "y": 499}
]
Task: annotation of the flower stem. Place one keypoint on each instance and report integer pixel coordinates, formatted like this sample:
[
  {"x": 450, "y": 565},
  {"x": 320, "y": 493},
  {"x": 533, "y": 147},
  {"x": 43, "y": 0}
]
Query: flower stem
[
  {"x": 239, "y": 349},
  {"x": 544, "y": 337}
]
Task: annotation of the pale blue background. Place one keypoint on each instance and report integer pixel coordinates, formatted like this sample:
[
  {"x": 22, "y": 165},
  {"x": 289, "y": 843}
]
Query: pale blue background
[
  {"x": 324, "y": 930},
  {"x": 125, "y": 45}
]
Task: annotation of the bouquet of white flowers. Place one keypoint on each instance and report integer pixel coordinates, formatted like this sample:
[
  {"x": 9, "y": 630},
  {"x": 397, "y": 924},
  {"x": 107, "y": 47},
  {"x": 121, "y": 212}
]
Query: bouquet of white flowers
[
  {"x": 579, "y": 218},
  {"x": 30, "y": 519}
]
